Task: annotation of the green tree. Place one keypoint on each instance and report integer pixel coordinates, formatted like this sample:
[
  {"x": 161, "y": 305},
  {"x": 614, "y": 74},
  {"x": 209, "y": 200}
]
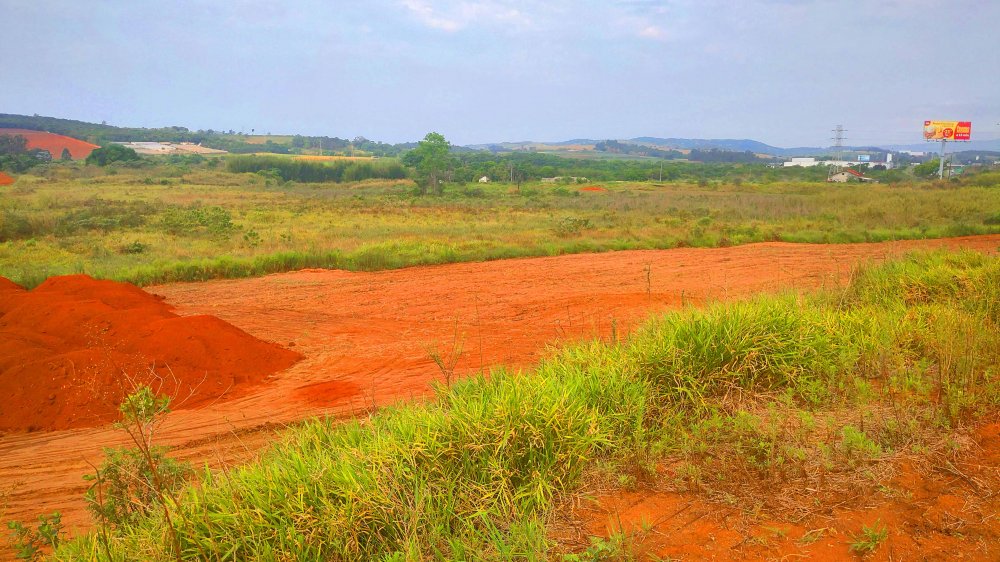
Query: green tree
[
  {"x": 112, "y": 153},
  {"x": 65, "y": 155},
  {"x": 13, "y": 145},
  {"x": 432, "y": 160},
  {"x": 928, "y": 169},
  {"x": 15, "y": 156}
]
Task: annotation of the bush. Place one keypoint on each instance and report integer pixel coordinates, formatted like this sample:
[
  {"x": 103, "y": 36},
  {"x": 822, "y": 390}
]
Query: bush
[
  {"x": 214, "y": 221},
  {"x": 126, "y": 489},
  {"x": 112, "y": 153}
]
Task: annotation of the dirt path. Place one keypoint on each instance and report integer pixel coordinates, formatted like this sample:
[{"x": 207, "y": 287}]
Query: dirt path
[{"x": 368, "y": 338}]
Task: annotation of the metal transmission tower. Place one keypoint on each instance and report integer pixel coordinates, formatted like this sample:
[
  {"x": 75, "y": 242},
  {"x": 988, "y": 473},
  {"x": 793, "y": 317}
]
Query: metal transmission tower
[{"x": 838, "y": 139}]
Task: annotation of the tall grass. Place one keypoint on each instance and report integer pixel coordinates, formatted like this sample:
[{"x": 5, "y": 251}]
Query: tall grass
[{"x": 773, "y": 390}]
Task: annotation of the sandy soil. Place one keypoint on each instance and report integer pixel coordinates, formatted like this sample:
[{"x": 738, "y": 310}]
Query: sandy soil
[{"x": 367, "y": 338}]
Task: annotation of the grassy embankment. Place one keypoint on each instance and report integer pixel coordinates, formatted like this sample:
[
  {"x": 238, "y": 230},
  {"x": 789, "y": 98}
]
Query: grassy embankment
[
  {"x": 185, "y": 223},
  {"x": 787, "y": 396}
]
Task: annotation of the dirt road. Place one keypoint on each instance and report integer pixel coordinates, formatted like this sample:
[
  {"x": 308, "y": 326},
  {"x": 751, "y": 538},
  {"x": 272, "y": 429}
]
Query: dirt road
[{"x": 368, "y": 339}]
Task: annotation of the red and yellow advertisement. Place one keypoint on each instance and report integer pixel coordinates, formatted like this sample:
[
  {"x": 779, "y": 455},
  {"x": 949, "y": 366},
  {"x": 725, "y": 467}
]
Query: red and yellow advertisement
[{"x": 948, "y": 130}]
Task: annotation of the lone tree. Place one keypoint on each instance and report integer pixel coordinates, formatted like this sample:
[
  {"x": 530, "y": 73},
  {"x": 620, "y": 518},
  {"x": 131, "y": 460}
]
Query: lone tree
[
  {"x": 65, "y": 155},
  {"x": 432, "y": 159}
]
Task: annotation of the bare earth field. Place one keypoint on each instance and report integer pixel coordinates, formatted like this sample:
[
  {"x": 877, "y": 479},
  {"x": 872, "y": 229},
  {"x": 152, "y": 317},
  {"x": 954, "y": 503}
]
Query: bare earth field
[{"x": 368, "y": 338}]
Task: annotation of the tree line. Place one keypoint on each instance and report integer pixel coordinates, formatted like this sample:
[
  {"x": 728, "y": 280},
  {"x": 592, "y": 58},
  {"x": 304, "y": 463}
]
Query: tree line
[{"x": 306, "y": 171}]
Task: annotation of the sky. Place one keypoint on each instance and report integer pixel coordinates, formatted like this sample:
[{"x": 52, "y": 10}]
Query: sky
[{"x": 784, "y": 72}]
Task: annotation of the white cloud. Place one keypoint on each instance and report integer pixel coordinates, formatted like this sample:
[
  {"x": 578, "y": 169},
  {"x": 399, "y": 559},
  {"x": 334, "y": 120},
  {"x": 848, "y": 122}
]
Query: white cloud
[
  {"x": 653, "y": 32},
  {"x": 452, "y": 16}
]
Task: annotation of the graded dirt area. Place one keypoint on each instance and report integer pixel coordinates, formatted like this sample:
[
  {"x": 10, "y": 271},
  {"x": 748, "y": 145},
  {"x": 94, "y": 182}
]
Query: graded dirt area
[{"x": 367, "y": 338}]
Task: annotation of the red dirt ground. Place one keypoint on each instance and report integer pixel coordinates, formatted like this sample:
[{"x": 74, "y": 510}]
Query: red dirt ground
[
  {"x": 930, "y": 514},
  {"x": 72, "y": 348},
  {"x": 5, "y": 179},
  {"x": 596, "y": 188},
  {"x": 54, "y": 143},
  {"x": 366, "y": 338}
]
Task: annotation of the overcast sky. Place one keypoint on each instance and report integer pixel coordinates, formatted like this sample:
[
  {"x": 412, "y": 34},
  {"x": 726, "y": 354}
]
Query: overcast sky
[{"x": 781, "y": 71}]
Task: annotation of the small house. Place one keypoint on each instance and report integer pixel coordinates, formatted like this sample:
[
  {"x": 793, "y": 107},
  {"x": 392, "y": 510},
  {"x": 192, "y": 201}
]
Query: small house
[{"x": 850, "y": 175}]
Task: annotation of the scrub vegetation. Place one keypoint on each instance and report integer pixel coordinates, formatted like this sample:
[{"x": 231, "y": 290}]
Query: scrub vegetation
[
  {"x": 195, "y": 218},
  {"x": 789, "y": 396}
]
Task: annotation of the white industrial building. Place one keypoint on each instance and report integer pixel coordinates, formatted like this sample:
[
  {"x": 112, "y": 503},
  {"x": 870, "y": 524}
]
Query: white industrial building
[{"x": 808, "y": 162}]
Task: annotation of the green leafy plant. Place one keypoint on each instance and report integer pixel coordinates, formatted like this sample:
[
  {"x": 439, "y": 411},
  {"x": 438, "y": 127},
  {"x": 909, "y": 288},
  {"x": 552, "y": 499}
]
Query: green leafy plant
[
  {"x": 571, "y": 226},
  {"x": 870, "y": 538},
  {"x": 132, "y": 248},
  {"x": 251, "y": 238},
  {"x": 28, "y": 543},
  {"x": 133, "y": 482}
]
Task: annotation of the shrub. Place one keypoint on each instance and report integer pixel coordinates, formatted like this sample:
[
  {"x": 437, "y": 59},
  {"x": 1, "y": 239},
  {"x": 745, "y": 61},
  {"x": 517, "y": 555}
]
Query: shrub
[
  {"x": 214, "y": 221},
  {"x": 28, "y": 543},
  {"x": 111, "y": 154}
]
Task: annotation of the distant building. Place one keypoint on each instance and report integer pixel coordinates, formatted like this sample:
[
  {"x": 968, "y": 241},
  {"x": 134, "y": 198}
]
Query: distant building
[
  {"x": 810, "y": 162},
  {"x": 484, "y": 179},
  {"x": 849, "y": 175},
  {"x": 803, "y": 162}
]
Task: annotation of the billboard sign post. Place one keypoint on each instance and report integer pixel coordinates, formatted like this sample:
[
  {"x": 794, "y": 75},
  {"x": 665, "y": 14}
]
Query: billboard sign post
[{"x": 945, "y": 131}]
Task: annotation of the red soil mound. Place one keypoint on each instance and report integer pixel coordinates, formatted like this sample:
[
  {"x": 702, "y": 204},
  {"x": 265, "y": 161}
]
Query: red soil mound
[
  {"x": 5, "y": 179},
  {"x": 593, "y": 188},
  {"x": 54, "y": 143},
  {"x": 72, "y": 348}
]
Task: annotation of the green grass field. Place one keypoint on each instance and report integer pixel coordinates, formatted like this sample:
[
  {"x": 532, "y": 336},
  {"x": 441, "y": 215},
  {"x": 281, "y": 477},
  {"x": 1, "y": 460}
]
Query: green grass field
[{"x": 182, "y": 223}]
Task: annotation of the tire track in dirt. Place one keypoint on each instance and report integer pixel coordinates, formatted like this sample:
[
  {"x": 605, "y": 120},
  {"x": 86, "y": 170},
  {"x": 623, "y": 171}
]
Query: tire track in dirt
[{"x": 367, "y": 339}]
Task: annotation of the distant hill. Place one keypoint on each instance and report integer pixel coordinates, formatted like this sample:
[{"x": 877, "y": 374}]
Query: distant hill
[
  {"x": 731, "y": 145},
  {"x": 735, "y": 145},
  {"x": 982, "y": 145},
  {"x": 743, "y": 145}
]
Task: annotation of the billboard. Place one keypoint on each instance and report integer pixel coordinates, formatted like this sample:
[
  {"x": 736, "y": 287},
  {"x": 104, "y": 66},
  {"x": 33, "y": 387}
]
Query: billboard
[
  {"x": 864, "y": 158},
  {"x": 948, "y": 130}
]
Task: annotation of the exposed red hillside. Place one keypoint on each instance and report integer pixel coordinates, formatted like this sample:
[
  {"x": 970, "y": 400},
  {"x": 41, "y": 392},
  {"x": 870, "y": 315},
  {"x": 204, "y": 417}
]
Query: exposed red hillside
[
  {"x": 5, "y": 179},
  {"x": 54, "y": 143},
  {"x": 72, "y": 348}
]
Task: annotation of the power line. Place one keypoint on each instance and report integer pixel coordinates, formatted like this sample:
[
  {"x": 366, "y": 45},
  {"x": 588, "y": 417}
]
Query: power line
[{"x": 838, "y": 139}]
